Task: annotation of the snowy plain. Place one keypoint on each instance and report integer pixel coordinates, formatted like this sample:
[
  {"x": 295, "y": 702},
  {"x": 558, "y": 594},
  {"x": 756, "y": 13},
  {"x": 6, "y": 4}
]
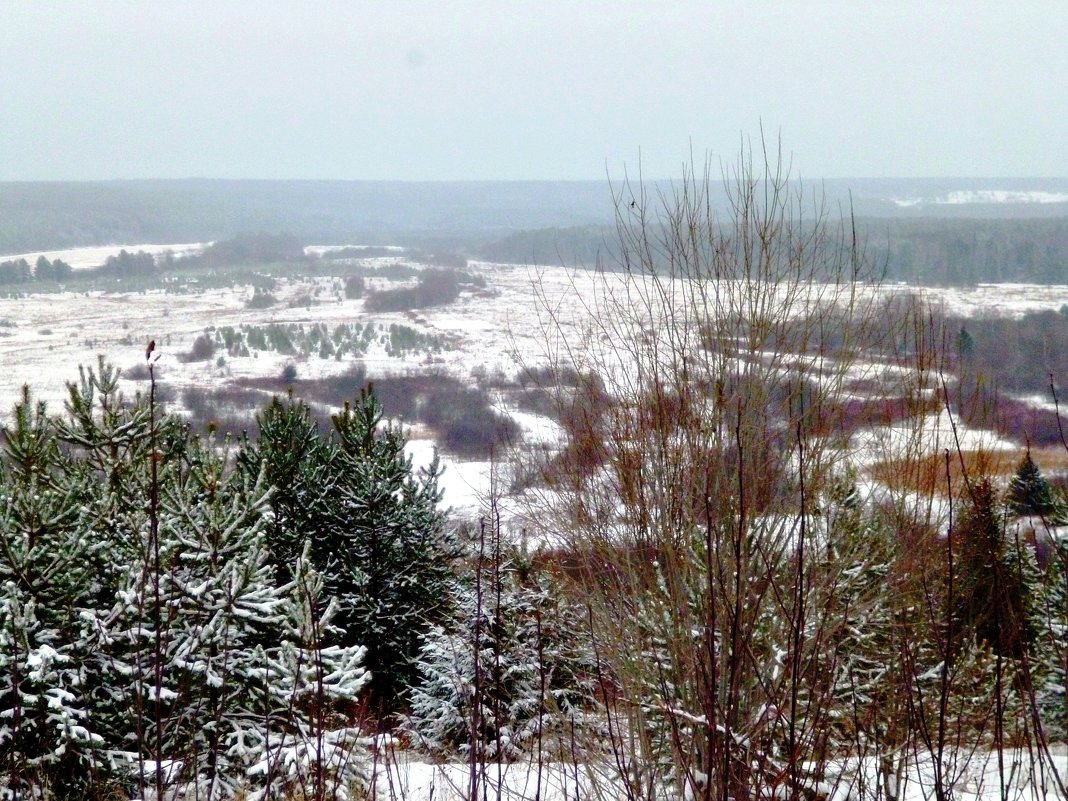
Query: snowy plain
[
  {"x": 45, "y": 339},
  {"x": 525, "y": 317},
  {"x": 87, "y": 258},
  {"x": 966, "y": 197},
  {"x": 976, "y": 778}
]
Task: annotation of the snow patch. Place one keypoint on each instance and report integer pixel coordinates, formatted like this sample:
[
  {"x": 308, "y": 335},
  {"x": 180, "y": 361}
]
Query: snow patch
[
  {"x": 87, "y": 258},
  {"x": 969, "y": 197}
]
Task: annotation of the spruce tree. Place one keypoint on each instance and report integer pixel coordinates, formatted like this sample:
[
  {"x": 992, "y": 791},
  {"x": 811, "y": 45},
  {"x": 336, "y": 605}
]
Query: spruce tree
[
  {"x": 1029, "y": 493},
  {"x": 994, "y": 599},
  {"x": 965, "y": 346}
]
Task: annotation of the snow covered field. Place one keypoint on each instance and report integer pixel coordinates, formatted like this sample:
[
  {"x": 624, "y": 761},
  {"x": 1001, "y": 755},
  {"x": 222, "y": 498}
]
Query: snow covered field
[
  {"x": 1008, "y": 300},
  {"x": 964, "y": 197},
  {"x": 45, "y": 338},
  {"x": 974, "y": 776},
  {"x": 86, "y": 258}
]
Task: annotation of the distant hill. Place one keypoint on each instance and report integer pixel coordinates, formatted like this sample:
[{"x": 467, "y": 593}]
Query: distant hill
[
  {"x": 39, "y": 216},
  {"x": 954, "y": 197}
]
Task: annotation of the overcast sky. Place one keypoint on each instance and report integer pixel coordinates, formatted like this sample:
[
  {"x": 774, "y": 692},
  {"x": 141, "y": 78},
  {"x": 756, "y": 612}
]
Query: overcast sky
[{"x": 542, "y": 90}]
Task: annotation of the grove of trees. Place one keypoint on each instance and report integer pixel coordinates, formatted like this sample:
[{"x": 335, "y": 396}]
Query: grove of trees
[
  {"x": 19, "y": 271},
  {"x": 929, "y": 251},
  {"x": 175, "y": 613}
]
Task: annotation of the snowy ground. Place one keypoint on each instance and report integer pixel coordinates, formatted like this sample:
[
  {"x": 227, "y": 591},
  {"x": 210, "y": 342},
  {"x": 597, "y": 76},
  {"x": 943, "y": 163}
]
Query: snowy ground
[
  {"x": 1001, "y": 300},
  {"x": 975, "y": 777},
  {"x": 45, "y": 338},
  {"x": 86, "y": 258}
]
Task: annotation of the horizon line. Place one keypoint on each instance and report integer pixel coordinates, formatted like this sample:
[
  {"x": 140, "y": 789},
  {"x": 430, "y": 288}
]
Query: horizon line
[{"x": 217, "y": 179}]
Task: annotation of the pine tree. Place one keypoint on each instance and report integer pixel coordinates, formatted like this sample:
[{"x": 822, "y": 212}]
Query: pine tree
[
  {"x": 509, "y": 672},
  {"x": 222, "y": 605},
  {"x": 119, "y": 446},
  {"x": 144, "y": 634},
  {"x": 48, "y": 657},
  {"x": 1052, "y": 693},
  {"x": 294, "y": 460},
  {"x": 388, "y": 557},
  {"x": 378, "y": 538},
  {"x": 110, "y": 434},
  {"x": 311, "y": 748}
]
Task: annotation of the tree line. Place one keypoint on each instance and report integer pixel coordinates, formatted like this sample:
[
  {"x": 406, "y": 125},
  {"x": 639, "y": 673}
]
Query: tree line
[
  {"x": 241, "y": 250},
  {"x": 1011, "y": 370},
  {"x": 925, "y": 251},
  {"x": 19, "y": 271}
]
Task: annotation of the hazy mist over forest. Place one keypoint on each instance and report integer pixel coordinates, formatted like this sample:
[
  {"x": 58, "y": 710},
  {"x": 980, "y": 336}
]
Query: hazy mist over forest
[
  {"x": 463, "y": 125},
  {"x": 500, "y": 118}
]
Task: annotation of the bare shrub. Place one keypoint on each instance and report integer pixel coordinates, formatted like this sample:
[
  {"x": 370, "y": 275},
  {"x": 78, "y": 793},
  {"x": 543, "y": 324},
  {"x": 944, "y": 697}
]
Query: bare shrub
[
  {"x": 759, "y": 628},
  {"x": 226, "y": 409},
  {"x": 542, "y": 376},
  {"x": 138, "y": 372},
  {"x": 448, "y": 259},
  {"x": 461, "y": 416},
  {"x": 465, "y": 422},
  {"x": 691, "y": 479}
]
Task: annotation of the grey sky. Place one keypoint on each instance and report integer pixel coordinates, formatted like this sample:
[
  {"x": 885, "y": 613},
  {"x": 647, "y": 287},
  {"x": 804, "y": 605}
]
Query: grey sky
[{"x": 508, "y": 90}]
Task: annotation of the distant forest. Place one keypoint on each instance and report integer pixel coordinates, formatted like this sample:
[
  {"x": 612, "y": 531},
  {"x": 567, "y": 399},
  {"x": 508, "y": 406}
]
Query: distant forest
[
  {"x": 523, "y": 222},
  {"x": 932, "y": 251},
  {"x": 49, "y": 216}
]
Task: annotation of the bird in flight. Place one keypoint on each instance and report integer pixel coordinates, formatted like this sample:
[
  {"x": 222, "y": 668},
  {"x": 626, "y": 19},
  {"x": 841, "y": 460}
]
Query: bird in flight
[{"x": 151, "y": 347}]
